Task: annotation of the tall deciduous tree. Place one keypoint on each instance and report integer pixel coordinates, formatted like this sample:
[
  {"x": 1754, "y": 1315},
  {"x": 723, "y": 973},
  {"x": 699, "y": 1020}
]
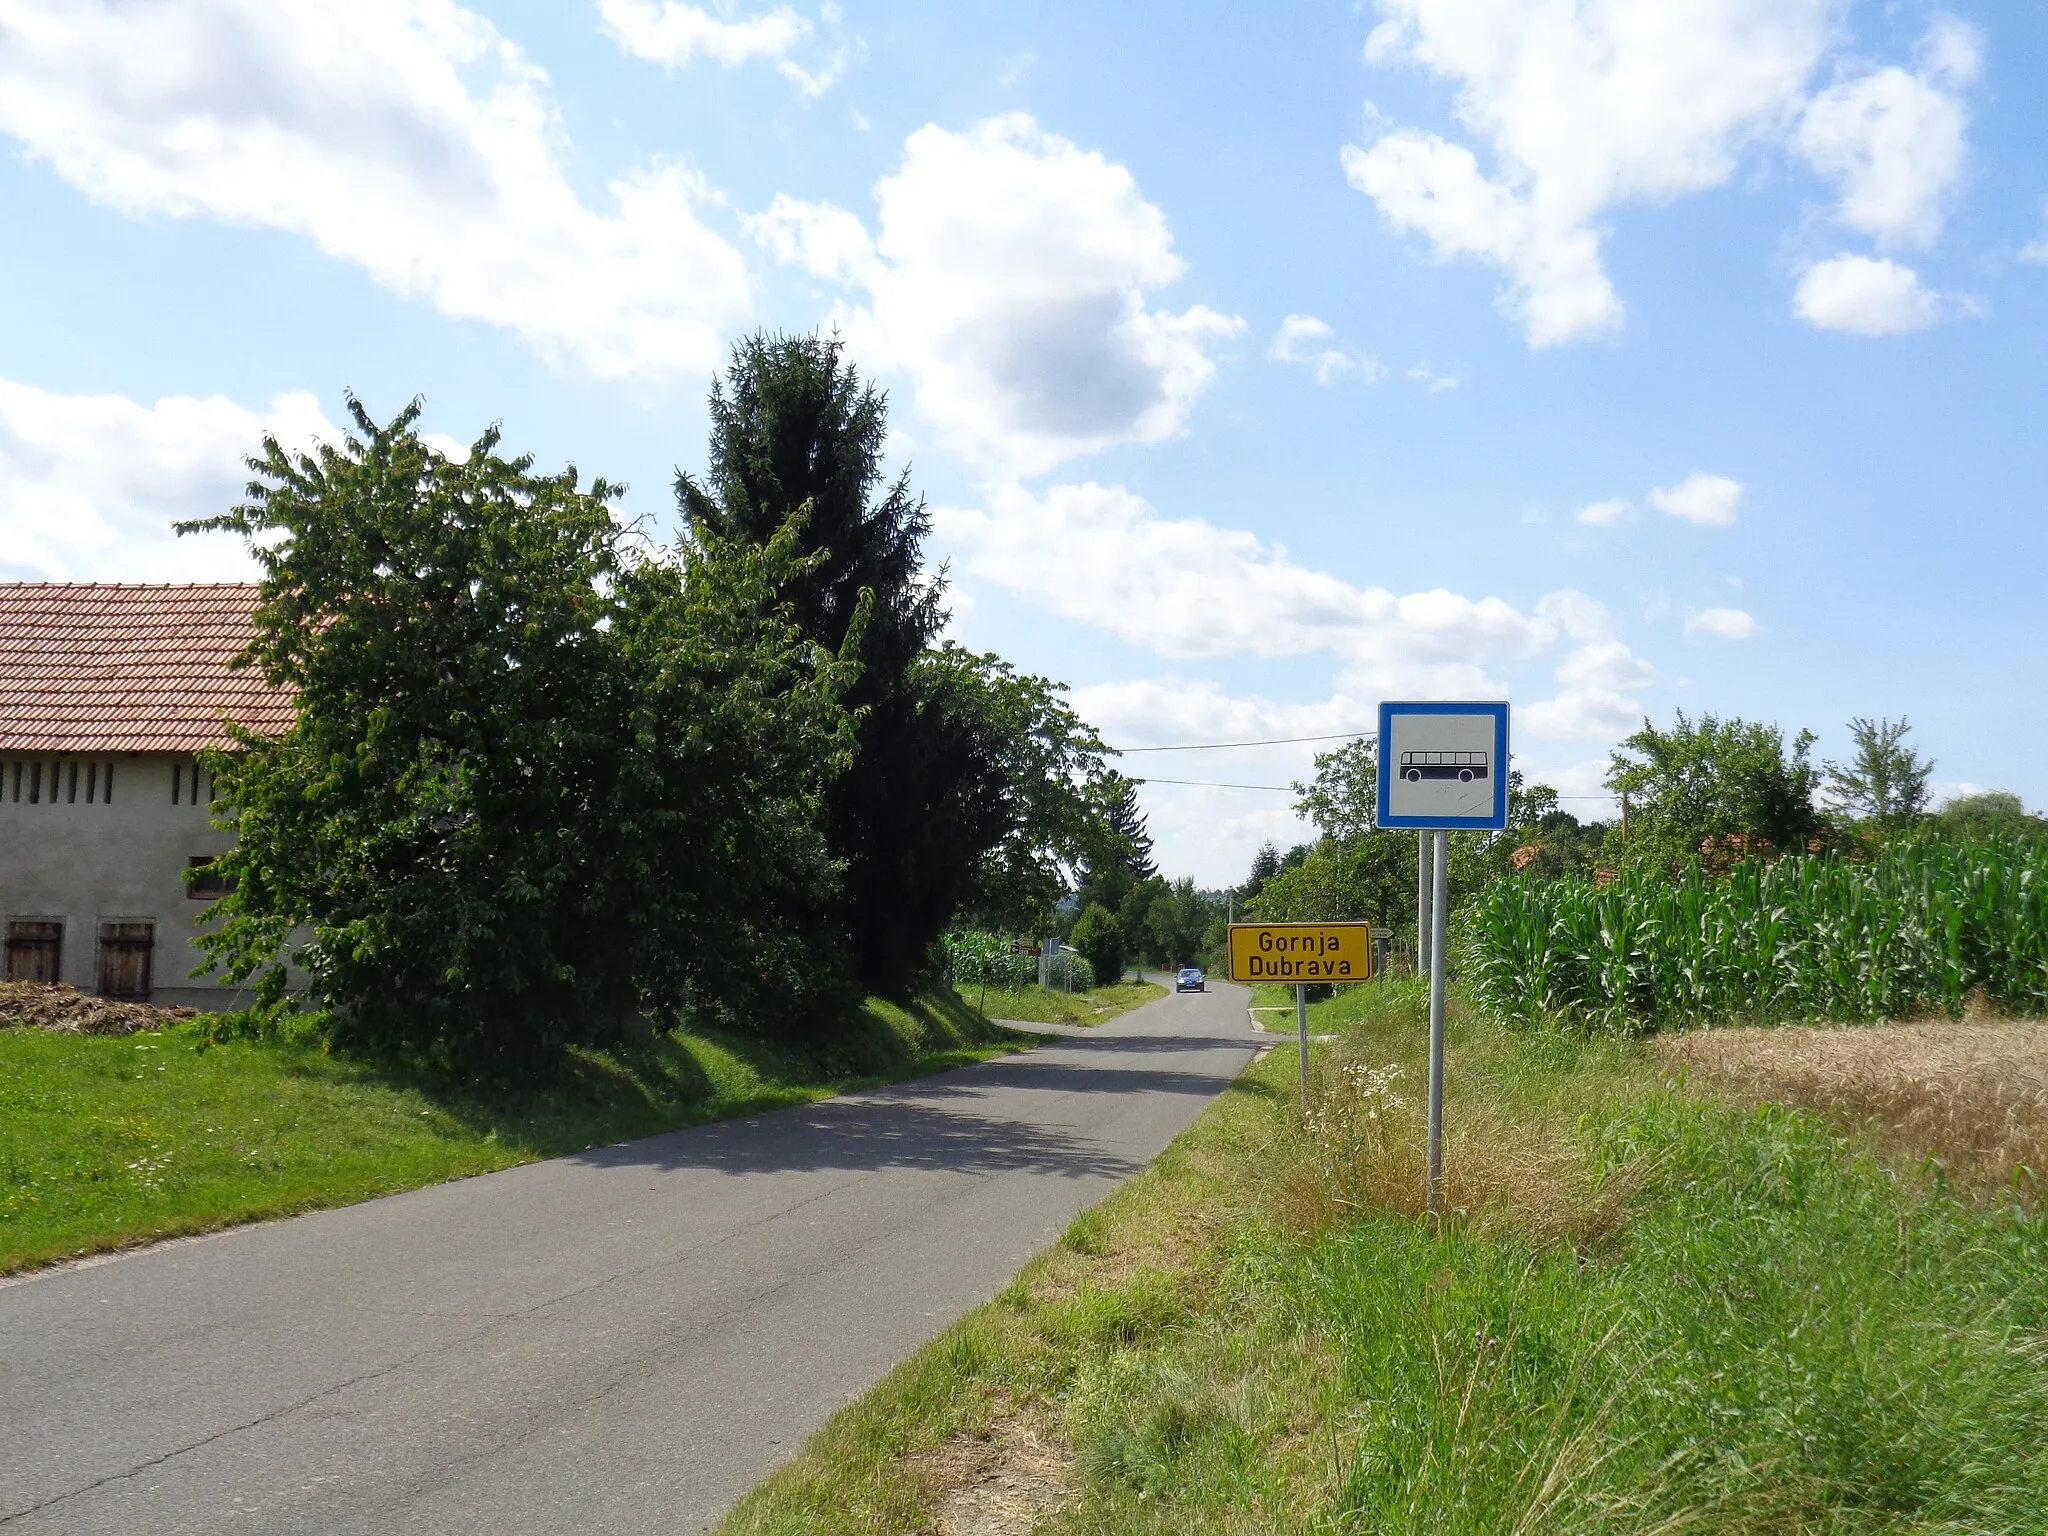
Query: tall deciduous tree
[
  {"x": 1734, "y": 781},
  {"x": 530, "y": 776},
  {"x": 1991, "y": 813},
  {"x": 1052, "y": 785},
  {"x": 1886, "y": 781}
]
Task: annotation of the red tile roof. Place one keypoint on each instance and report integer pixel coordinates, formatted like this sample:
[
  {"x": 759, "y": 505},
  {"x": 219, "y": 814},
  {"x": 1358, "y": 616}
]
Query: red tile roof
[{"x": 89, "y": 667}]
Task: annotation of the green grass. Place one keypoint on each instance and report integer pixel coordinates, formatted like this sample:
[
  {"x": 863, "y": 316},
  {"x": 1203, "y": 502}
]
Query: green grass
[
  {"x": 1037, "y": 1005},
  {"x": 106, "y": 1142},
  {"x": 1392, "y": 1001},
  {"x": 1652, "y": 1311}
]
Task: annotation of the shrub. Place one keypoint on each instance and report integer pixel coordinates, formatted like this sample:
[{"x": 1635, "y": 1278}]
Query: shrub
[{"x": 1100, "y": 939}]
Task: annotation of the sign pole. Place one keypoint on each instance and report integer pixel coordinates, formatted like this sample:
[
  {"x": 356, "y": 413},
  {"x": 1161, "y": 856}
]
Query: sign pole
[
  {"x": 1438, "y": 911},
  {"x": 1301, "y": 1028},
  {"x": 1424, "y": 877},
  {"x": 1300, "y": 954}
]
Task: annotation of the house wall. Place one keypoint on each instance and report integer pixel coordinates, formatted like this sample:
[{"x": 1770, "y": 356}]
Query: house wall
[{"x": 90, "y": 861}]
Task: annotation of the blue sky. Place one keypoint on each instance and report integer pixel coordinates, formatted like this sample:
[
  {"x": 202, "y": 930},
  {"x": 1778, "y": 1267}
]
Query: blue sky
[{"x": 1258, "y": 362}]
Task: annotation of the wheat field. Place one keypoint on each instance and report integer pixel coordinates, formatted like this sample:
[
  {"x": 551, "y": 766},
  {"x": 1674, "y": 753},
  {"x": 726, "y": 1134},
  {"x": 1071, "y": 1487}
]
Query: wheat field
[{"x": 1974, "y": 1096}]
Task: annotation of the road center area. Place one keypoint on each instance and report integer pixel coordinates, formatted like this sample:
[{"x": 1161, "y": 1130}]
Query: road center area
[{"x": 624, "y": 1340}]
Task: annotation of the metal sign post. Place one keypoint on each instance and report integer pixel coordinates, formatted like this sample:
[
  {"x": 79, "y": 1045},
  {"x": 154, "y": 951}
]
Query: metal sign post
[
  {"x": 1425, "y": 880},
  {"x": 1443, "y": 767},
  {"x": 1301, "y": 1029},
  {"x": 1438, "y": 907},
  {"x": 1301, "y": 953}
]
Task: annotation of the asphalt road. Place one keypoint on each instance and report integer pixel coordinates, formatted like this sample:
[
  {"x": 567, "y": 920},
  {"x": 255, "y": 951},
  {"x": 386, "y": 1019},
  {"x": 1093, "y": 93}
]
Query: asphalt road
[{"x": 626, "y": 1340}]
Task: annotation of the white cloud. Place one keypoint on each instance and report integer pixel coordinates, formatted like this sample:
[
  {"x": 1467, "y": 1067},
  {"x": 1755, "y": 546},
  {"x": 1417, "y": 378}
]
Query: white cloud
[
  {"x": 1865, "y": 296},
  {"x": 1435, "y": 383},
  {"x": 672, "y": 34},
  {"x": 1602, "y": 514},
  {"x": 1941, "y": 791},
  {"x": 1207, "y": 829},
  {"x": 90, "y": 484},
  {"x": 1895, "y": 139},
  {"x": 824, "y": 239},
  {"x": 1595, "y": 698},
  {"x": 1700, "y": 498},
  {"x": 1163, "y": 711},
  {"x": 1185, "y": 588},
  {"x": 405, "y": 136},
  {"x": 1299, "y": 340},
  {"x": 1212, "y": 832},
  {"x": 1008, "y": 278},
  {"x": 1586, "y": 107},
  {"x": 1721, "y": 624}
]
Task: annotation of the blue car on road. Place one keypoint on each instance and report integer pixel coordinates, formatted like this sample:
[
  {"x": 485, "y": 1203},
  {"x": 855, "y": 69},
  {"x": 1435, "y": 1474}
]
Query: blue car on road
[{"x": 1191, "y": 979}]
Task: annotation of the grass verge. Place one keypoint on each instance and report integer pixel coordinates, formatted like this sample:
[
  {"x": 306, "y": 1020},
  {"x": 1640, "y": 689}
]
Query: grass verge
[
  {"x": 1652, "y": 1310},
  {"x": 108, "y": 1142},
  {"x": 1037, "y": 1005}
]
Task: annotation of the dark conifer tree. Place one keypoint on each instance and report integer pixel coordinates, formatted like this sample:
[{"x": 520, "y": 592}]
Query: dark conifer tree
[
  {"x": 1133, "y": 839},
  {"x": 793, "y": 424},
  {"x": 1122, "y": 858}
]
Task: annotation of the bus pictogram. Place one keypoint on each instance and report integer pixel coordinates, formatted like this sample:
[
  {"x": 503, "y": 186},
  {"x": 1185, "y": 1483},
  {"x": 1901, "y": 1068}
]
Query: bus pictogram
[{"x": 1462, "y": 766}]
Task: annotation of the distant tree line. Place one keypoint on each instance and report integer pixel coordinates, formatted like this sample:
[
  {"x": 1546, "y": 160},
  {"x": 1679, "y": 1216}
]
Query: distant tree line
[
  {"x": 550, "y": 778},
  {"x": 1707, "y": 789}
]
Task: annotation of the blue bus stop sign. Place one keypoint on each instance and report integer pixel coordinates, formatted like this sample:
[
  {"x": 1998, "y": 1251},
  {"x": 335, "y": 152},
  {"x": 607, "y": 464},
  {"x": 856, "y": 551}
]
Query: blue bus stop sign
[{"x": 1444, "y": 766}]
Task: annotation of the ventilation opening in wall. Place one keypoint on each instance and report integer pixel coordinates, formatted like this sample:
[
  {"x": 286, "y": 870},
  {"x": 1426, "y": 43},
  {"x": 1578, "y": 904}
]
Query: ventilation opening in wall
[
  {"x": 68, "y": 781},
  {"x": 125, "y": 952},
  {"x": 205, "y": 883},
  {"x": 35, "y": 950}
]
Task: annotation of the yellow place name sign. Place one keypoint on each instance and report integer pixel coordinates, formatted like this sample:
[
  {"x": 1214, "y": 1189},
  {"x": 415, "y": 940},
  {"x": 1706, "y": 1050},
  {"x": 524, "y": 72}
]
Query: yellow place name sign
[{"x": 1300, "y": 952}]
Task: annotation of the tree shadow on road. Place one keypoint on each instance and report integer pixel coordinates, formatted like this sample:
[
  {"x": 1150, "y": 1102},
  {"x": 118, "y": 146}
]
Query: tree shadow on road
[{"x": 866, "y": 1136}]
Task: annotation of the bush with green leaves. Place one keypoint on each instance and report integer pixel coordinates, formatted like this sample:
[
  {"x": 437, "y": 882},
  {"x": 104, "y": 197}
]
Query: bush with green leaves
[
  {"x": 1100, "y": 939},
  {"x": 1916, "y": 931},
  {"x": 1069, "y": 972},
  {"x": 538, "y": 783},
  {"x": 1724, "y": 780}
]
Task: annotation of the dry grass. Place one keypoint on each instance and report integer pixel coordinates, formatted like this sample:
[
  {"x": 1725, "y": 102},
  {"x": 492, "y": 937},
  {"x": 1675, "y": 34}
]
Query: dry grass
[
  {"x": 1973, "y": 1095},
  {"x": 1001, "y": 1481},
  {"x": 1510, "y": 1158}
]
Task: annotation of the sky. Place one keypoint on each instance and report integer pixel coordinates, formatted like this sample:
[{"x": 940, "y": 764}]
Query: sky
[{"x": 1257, "y": 363}]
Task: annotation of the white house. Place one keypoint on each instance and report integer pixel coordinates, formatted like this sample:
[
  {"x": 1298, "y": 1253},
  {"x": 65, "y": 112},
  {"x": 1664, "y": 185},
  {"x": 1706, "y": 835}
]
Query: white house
[{"x": 106, "y": 694}]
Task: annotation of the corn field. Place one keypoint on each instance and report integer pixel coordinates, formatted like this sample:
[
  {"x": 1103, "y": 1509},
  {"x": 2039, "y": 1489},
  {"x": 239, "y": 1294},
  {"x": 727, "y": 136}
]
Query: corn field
[
  {"x": 985, "y": 959},
  {"x": 1911, "y": 934}
]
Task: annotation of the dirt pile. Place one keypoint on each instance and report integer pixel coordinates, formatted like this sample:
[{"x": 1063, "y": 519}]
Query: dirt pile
[{"x": 68, "y": 1011}]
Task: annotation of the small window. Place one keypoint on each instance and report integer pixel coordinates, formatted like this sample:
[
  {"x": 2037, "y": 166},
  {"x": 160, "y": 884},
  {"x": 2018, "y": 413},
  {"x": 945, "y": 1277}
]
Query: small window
[
  {"x": 204, "y": 882},
  {"x": 125, "y": 953},
  {"x": 35, "y": 949}
]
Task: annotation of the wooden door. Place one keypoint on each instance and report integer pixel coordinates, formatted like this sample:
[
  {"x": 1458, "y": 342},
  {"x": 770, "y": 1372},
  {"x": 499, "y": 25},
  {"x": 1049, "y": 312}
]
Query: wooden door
[
  {"x": 34, "y": 951},
  {"x": 125, "y": 951}
]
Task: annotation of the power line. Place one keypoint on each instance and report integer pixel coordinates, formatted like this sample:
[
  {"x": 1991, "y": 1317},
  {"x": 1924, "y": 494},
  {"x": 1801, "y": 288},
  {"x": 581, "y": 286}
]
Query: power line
[
  {"x": 1284, "y": 789},
  {"x": 1220, "y": 746},
  {"x": 1288, "y": 789}
]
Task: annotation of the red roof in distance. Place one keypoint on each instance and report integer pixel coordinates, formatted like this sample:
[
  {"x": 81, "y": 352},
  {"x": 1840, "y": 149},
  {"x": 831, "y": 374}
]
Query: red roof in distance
[{"x": 104, "y": 667}]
